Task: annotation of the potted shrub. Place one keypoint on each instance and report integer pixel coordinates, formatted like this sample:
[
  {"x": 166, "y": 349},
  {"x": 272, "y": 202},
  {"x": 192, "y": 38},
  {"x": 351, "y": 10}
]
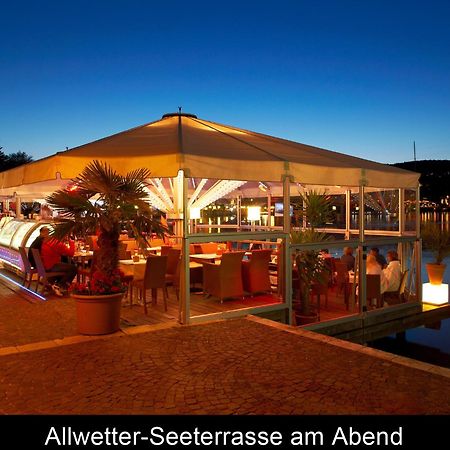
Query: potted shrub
[
  {"x": 311, "y": 267},
  {"x": 437, "y": 240},
  {"x": 101, "y": 201}
]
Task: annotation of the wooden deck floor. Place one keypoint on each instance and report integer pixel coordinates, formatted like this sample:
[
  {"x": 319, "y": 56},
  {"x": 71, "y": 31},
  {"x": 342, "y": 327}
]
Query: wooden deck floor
[{"x": 200, "y": 306}]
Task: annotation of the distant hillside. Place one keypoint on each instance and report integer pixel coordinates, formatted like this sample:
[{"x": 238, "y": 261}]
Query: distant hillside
[{"x": 435, "y": 177}]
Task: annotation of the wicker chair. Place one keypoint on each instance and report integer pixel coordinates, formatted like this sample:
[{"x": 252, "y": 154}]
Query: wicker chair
[
  {"x": 255, "y": 272},
  {"x": 154, "y": 278},
  {"x": 321, "y": 288},
  {"x": 224, "y": 280},
  {"x": 207, "y": 247},
  {"x": 172, "y": 270},
  {"x": 373, "y": 289}
]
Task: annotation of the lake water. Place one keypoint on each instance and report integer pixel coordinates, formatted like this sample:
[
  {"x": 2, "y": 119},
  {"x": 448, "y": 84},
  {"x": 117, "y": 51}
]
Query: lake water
[{"x": 424, "y": 344}]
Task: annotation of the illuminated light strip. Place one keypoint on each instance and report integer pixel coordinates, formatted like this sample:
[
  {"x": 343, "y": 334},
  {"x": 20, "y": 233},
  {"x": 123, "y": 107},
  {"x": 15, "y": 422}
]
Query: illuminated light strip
[
  {"x": 23, "y": 287},
  {"x": 155, "y": 201},
  {"x": 219, "y": 190},
  {"x": 163, "y": 193},
  {"x": 197, "y": 191},
  {"x": 171, "y": 186}
]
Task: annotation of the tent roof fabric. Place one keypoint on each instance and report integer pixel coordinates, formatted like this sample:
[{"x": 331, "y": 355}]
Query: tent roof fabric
[{"x": 207, "y": 149}]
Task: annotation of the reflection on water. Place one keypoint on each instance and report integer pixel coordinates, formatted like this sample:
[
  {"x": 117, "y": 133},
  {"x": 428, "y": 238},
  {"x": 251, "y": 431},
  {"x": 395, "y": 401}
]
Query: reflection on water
[
  {"x": 424, "y": 344},
  {"x": 442, "y": 218}
]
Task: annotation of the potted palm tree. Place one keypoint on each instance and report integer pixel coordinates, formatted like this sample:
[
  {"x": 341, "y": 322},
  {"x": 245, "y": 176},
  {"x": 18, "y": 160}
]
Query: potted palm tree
[
  {"x": 315, "y": 207},
  {"x": 437, "y": 240},
  {"x": 101, "y": 201}
]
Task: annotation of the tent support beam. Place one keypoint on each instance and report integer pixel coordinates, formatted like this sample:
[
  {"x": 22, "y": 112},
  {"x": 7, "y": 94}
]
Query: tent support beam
[
  {"x": 286, "y": 267},
  {"x": 184, "y": 309},
  {"x": 418, "y": 249},
  {"x": 348, "y": 213},
  {"x": 18, "y": 202},
  {"x": 362, "y": 253},
  {"x": 401, "y": 225}
]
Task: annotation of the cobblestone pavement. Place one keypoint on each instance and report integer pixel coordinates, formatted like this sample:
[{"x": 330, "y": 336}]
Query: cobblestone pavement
[
  {"x": 231, "y": 367},
  {"x": 26, "y": 319}
]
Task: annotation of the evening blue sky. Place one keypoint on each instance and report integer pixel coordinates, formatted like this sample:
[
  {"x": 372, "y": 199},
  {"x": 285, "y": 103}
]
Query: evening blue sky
[{"x": 359, "y": 77}]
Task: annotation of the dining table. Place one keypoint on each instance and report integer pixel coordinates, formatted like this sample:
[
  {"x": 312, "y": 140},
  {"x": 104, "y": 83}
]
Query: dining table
[
  {"x": 81, "y": 259},
  {"x": 204, "y": 257},
  {"x": 213, "y": 258},
  {"x": 137, "y": 269},
  {"x": 134, "y": 268}
]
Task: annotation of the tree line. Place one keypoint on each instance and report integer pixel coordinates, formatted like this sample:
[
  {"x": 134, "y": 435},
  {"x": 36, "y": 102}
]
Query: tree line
[{"x": 13, "y": 159}]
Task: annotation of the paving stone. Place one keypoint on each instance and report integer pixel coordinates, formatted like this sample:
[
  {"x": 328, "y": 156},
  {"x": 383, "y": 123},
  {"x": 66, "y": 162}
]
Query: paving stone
[{"x": 236, "y": 366}]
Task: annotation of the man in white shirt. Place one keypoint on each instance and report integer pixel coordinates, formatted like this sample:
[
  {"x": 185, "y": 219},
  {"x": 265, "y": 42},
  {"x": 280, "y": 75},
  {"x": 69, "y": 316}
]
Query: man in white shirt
[{"x": 393, "y": 271}]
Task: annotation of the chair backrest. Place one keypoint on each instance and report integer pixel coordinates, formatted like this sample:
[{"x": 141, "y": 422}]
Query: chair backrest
[
  {"x": 92, "y": 241},
  {"x": 157, "y": 242},
  {"x": 260, "y": 259},
  {"x": 231, "y": 261},
  {"x": 165, "y": 249},
  {"x": 330, "y": 264},
  {"x": 155, "y": 272},
  {"x": 373, "y": 286},
  {"x": 131, "y": 244},
  {"x": 173, "y": 260},
  {"x": 207, "y": 247},
  {"x": 123, "y": 252},
  {"x": 25, "y": 261},
  {"x": 39, "y": 264},
  {"x": 402, "y": 287},
  {"x": 341, "y": 271}
]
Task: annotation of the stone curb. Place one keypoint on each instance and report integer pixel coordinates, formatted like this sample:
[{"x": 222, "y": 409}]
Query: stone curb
[
  {"x": 402, "y": 360},
  {"x": 78, "y": 339}
]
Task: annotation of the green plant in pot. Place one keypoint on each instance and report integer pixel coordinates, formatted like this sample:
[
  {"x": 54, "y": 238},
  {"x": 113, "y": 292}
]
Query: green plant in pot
[
  {"x": 436, "y": 240},
  {"x": 101, "y": 201},
  {"x": 315, "y": 207}
]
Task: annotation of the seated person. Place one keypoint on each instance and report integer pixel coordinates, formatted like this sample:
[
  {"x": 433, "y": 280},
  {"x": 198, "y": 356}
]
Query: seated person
[
  {"x": 52, "y": 252},
  {"x": 381, "y": 260},
  {"x": 37, "y": 243},
  {"x": 373, "y": 268},
  {"x": 324, "y": 253},
  {"x": 393, "y": 271},
  {"x": 348, "y": 258}
]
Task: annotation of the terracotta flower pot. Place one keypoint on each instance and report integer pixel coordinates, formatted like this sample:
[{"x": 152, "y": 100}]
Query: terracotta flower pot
[
  {"x": 98, "y": 314},
  {"x": 436, "y": 273}
]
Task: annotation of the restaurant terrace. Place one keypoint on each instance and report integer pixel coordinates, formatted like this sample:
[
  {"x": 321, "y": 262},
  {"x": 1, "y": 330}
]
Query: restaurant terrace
[{"x": 233, "y": 199}]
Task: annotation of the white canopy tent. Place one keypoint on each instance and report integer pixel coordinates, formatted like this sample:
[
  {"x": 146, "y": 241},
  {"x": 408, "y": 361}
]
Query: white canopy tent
[
  {"x": 204, "y": 149},
  {"x": 194, "y": 162}
]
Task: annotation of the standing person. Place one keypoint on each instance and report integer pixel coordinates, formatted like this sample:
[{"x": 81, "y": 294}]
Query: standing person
[
  {"x": 348, "y": 258},
  {"x": 393, "y": 271},
  {"x": 381, "y": 260},
  {"x": 51, "y": 252},
  {"x": 37, "y": 243}
]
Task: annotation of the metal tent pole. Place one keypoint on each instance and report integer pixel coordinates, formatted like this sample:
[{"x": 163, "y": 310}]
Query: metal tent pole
[{"x": 287, "y": 265}]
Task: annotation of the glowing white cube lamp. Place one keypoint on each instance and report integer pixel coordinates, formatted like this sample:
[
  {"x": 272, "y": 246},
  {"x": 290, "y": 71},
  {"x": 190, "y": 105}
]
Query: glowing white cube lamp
[
  {"x": 194, "y": 213},
  {"x": 253, "y": 213},
  {"x": 435, "y": 294}
]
